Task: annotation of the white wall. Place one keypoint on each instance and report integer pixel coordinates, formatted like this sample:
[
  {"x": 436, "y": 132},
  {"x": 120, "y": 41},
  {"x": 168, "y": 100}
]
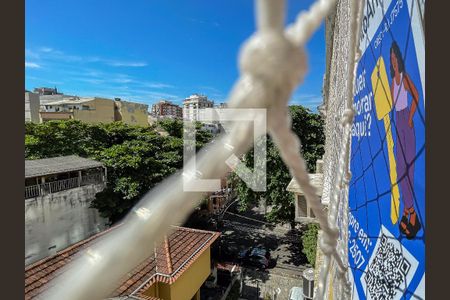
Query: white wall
[
  {"x": 60, "y": 219},
  {"x": 32, "y": 107}
]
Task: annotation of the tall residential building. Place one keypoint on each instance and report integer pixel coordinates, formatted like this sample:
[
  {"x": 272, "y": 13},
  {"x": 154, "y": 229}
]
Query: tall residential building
[
  {"x": 96, "y": 110},
  {"x": 194, "y": 104},
  {"x": 32, "y": 107},
  {"x": 167, "y": 109}
]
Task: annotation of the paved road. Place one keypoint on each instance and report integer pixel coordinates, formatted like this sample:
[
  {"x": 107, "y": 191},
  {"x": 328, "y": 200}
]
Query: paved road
[{"x": 240, "y": 231}]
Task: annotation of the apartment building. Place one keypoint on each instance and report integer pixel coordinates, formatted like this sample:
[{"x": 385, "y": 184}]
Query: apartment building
[
  {"x": 95, "y": 110},
  {"x": 167, "y": 109},
  {"x": 194, "y": 104}
]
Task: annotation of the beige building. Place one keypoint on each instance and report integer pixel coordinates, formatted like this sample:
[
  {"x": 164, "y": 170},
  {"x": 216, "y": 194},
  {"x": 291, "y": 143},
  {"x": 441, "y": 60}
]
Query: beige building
[
  {"x": 96, "y": 110},
  {"x": 302, "y": 210},
  {"x": 131, "y": 113}
]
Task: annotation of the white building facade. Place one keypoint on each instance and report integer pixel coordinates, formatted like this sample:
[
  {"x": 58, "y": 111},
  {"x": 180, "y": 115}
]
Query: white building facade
[{"x": 193, "y": 105}]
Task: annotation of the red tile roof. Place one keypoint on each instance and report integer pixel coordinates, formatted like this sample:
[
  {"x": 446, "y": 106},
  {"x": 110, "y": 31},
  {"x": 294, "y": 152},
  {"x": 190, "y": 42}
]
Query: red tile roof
[
  {"x": 145, "y": 297},
  {"x": 180, "y": 249}
]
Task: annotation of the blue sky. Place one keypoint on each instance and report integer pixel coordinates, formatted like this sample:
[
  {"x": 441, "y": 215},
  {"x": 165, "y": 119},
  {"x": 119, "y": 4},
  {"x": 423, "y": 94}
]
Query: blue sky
[{"x": 146, "y": 50}]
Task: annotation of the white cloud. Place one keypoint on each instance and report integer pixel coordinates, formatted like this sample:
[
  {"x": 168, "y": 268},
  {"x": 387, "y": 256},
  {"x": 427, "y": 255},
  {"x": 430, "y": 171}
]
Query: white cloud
[
  {"x": 156, "y": 85},
  {"x": 32, "y": 65},
  {"x": 46, "y": 49},
  {"x": 311, "y": 101},
  {"x": 90, "y": 80},
  {"x": 51, "y": 54},
  {"x": 126, "y": 64},
  {"x": 122, "y": 80}
]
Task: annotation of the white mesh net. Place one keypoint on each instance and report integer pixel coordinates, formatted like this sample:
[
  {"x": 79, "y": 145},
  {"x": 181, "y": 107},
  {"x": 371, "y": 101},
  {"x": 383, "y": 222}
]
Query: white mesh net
[{"x": 272, "y": 64}]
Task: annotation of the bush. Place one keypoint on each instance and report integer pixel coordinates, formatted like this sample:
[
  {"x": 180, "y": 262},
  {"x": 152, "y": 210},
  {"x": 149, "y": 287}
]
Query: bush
[{"x": 309, "y": 242}]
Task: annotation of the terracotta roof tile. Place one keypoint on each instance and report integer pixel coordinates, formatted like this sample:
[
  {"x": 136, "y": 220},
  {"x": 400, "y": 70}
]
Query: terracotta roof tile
[{"x": 184, "y": 246}]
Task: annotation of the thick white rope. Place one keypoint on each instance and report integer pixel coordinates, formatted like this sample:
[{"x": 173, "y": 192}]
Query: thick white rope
[{"x": 272, "y": 64}]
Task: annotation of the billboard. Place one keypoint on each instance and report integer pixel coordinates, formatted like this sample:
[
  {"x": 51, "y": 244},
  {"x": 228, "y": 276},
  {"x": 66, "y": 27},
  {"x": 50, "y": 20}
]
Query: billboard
[{"x": 387, "y": 190}]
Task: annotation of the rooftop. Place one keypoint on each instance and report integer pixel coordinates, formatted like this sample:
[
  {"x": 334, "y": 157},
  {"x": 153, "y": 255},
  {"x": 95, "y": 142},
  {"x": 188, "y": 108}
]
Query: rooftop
[
  {"x": 71, "y": 100},
  {"x": 197, "y": 97},
  {"x": 55, "y": 165},
  {"x": 181, "y": 248}
]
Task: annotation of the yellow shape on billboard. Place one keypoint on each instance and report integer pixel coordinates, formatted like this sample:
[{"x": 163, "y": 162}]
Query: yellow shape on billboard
[{"x": 383, "y": 105}]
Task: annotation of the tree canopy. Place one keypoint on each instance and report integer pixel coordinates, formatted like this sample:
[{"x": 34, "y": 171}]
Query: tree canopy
[
  {"x": 137, "y": 157},
  {"x": 309, "y": 127}
]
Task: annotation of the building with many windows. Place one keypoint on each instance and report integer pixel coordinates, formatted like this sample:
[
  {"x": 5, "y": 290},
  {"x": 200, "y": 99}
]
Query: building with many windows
[
  {"x": 96, "y": 110},
  {"x": 194, "y": 104},
  {"x": 166, "y": 109}
]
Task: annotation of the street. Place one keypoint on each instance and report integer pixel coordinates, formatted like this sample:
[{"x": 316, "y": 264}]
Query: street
[{"x": 243, "y": 230}]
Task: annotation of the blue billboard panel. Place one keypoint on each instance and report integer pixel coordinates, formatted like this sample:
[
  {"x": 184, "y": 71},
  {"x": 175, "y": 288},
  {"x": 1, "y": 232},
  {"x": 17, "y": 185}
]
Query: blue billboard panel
[{"x": 387, "y": 189}]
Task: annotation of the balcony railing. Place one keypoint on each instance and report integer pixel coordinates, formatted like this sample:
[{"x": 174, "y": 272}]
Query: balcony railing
[
  {"x": 92, "y": 179},
  {"x": 32, "y": 191},
  {"x": 61, "y": 185}
]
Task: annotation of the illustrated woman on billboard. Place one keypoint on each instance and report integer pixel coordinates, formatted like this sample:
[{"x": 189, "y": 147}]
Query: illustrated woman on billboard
[{"x": 401, "y": 86}]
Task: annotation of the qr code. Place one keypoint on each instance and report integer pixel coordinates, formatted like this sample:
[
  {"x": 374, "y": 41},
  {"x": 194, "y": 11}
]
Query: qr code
[{"x": 387, "y": 272}]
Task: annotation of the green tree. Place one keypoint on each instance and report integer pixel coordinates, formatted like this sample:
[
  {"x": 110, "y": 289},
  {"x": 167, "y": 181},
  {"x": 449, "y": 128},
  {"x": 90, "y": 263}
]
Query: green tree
[
  {"x": 55, "y": 138},
  {"x": 309, "y": 243},
  {"x": 137, "y": 157},
  {"x": 134, "y": 168},
  {"x": 173, "y": 127},
  {"x": 309, "y": 127}
]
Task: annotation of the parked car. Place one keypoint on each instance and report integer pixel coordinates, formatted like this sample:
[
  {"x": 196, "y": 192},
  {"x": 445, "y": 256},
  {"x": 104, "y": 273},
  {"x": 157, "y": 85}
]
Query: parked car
[{"x": 257, "y": 256}]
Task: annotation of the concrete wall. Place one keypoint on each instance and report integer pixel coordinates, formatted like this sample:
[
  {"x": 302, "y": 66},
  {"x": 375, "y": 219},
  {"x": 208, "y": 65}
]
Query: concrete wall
[
  {"x": 101, "y": 111},
  {"x": 55, "y": 221},
  {"x": 133, "y": 113},
  {"x": 32, "y": 105},
  {"x": 49, "y": 116}
]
